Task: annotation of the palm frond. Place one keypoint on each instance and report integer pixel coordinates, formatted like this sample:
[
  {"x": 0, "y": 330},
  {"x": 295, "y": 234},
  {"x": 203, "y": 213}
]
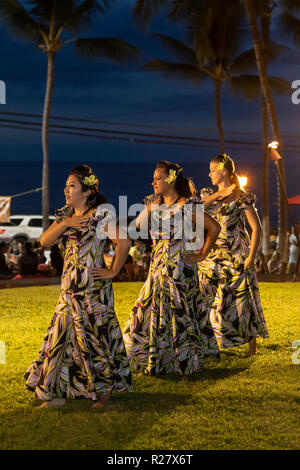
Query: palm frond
[
  {"x": 289, "y": 26},
  {"x": 175, "y": 70},
  {"x": 280, "y": 86},
  {"x": 82, "y": 16},
  {"x": 228, "y": 29},
  {"x": 246, "y": 61},
  {"x": 145, "y": 9},
  {"x": 246, "y": 86},
  {"x": 178, "y": 49},
  {"x": 18, "y": 20},
  {"x": 199, "y": 35},
  {"x": 181, "y": 10},
  {"x": 114, "y": 49},
  {"x": 74, "y": 13}
]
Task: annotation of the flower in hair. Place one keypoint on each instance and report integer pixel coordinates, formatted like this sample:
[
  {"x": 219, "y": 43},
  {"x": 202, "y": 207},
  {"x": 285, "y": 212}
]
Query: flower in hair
[
  {"x": 91, "y": 180},
  {"x": 221, "y": 165},
  {"x": 172, "y": 176}
]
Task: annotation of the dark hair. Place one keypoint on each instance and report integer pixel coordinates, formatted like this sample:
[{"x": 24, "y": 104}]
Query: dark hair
[
  {"x": 229, "y": 166},
  {"x": 94, "y": 199},
  {"x": 28, "y": 246},
  {"x": 183, "y": 186}
]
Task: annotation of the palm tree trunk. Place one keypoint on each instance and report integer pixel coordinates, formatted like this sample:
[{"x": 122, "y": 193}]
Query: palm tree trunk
[
  {"x": 45, "y": 130},
  {"x": 265, "y": 182},
  {"x": 262, "y": 69},
  {"x": 219, "y": 114},
  {"x": 265, "y": 23}
]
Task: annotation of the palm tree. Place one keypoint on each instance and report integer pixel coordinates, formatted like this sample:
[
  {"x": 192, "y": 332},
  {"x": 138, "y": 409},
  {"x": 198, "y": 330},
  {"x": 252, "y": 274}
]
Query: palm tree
[
  {"x": 267, "y": 94},
  {"x": 265, "y": 13},
  {"x": 215, "y": 52},
  {"x": 44, "y": 22}
]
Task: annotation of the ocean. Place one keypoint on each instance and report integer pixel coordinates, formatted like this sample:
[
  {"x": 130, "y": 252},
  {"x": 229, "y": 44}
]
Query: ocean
[{"x": 130, "y": 179}]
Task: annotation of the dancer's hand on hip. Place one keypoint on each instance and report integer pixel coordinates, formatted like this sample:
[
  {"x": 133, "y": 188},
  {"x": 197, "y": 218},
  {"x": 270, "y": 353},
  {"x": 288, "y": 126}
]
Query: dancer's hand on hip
[
  {"x": 102, "y": 273},
  {"x": 249, "y": 263},
  {"x": 190, "y": 259}
]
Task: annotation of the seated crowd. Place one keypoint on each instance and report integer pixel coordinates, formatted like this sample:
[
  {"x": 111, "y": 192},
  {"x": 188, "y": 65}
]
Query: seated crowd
[
  {"x": 27, "y": 260},
  {"x": 272, "y": 263}
]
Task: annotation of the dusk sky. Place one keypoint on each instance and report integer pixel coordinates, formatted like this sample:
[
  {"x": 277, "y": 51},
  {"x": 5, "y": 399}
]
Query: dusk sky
[{"x": 101, "y": 90}]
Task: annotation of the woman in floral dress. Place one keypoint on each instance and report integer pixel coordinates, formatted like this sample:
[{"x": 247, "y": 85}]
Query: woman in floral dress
[
  {"x": 227, "y": 276},
  {"x": 162, "y": 335},
  {"x": 83, "y": 353}
]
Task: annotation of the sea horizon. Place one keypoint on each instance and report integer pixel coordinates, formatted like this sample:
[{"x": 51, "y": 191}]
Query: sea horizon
[{"x": 132, "y": 179}]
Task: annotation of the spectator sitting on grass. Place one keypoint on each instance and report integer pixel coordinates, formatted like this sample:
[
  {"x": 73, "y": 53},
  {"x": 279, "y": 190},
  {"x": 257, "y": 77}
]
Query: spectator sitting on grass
[
  {"x": 137, "y": 251},
  {"x": 129, "y": 271},
  {"x": 260, "y": 263},
  {"x": 274, "y": 263},
  {"x": 28, "y": 263},
  {"x": 13, "y": 253},
  {"x": 39, "y": 250},
  {"x": 5, "y": 272}
]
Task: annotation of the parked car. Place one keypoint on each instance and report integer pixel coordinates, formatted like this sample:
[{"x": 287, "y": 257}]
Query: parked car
[{"x": 22, "y": 228}]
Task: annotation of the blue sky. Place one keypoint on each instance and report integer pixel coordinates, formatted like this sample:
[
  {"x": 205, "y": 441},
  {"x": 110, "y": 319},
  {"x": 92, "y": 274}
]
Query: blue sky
[{"x": 105, "y": 91}]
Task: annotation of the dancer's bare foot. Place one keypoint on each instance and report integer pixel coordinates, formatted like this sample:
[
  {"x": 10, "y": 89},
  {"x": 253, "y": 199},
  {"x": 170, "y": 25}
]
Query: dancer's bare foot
[
  {"x": 101, "y": 403},
  {"x": 253, "y": 350},
  {"x": 55, "y": 402}
]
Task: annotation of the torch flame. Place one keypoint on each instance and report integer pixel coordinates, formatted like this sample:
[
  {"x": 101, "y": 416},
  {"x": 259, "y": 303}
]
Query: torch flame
[
  {"x": 243, "y": 181},
  {"x": 273, "y": 145}
]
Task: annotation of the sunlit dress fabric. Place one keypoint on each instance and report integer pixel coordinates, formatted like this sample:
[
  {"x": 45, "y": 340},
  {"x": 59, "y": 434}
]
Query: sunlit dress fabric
[
  {"x": 83, "y": 352},
  {"x": 229, "y": 292}
]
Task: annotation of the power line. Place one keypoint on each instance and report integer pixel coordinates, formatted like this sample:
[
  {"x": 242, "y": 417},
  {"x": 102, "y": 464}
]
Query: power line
[
  {"x": 132, "y": 124},
  {"x": 140, "y": 134},
  {"x": 126, "y": 139}
]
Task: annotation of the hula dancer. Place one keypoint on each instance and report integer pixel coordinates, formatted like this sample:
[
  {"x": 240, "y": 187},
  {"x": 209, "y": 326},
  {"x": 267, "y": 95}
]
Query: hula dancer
[
  {"x": 83, "y": 353},
  {"x": 162, "y": 335},
  {"x": 227, "y": 276}
]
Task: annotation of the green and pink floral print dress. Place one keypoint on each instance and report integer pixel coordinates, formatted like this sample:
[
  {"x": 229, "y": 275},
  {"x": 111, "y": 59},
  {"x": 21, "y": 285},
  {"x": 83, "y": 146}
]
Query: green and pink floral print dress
[
  {"x": 162, "y": 334},
  {"x": 229, "y": 292},
  {"x": 83, "y": 352}
]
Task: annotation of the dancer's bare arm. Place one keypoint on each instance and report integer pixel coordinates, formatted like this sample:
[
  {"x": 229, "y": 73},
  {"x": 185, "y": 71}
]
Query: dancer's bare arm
[{"x": 56, "y": 230}]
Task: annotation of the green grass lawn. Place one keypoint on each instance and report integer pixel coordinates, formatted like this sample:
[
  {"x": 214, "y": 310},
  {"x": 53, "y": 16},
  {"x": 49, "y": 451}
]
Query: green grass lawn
[{"x": 236, "y": 403}]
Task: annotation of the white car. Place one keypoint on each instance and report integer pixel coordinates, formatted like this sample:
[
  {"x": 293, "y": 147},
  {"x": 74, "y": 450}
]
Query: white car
[{"x": 22, "y": 227}]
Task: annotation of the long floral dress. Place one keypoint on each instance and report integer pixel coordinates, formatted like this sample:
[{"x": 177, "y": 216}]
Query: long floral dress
[
  {"x": 83, "y": 352},
  {"x": 162, "y": 335},
  {"x": 230, "y": 293}
]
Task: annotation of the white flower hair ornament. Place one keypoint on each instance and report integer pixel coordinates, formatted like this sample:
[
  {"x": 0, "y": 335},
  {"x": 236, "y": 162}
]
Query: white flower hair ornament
[
  {"x": 91, "y": 180},
  {"x": 221, "y": 165},
  {"x": 172, "y": 176}
]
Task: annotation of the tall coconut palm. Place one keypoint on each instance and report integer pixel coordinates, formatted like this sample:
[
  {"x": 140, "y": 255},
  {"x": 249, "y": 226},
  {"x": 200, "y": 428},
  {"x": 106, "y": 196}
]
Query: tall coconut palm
[
  {"x": 267, "y": 93},
  {"x": 45, "y": 22},
  {"x": 215, "y": 51},
  {"x": 265, "y": 14}
]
